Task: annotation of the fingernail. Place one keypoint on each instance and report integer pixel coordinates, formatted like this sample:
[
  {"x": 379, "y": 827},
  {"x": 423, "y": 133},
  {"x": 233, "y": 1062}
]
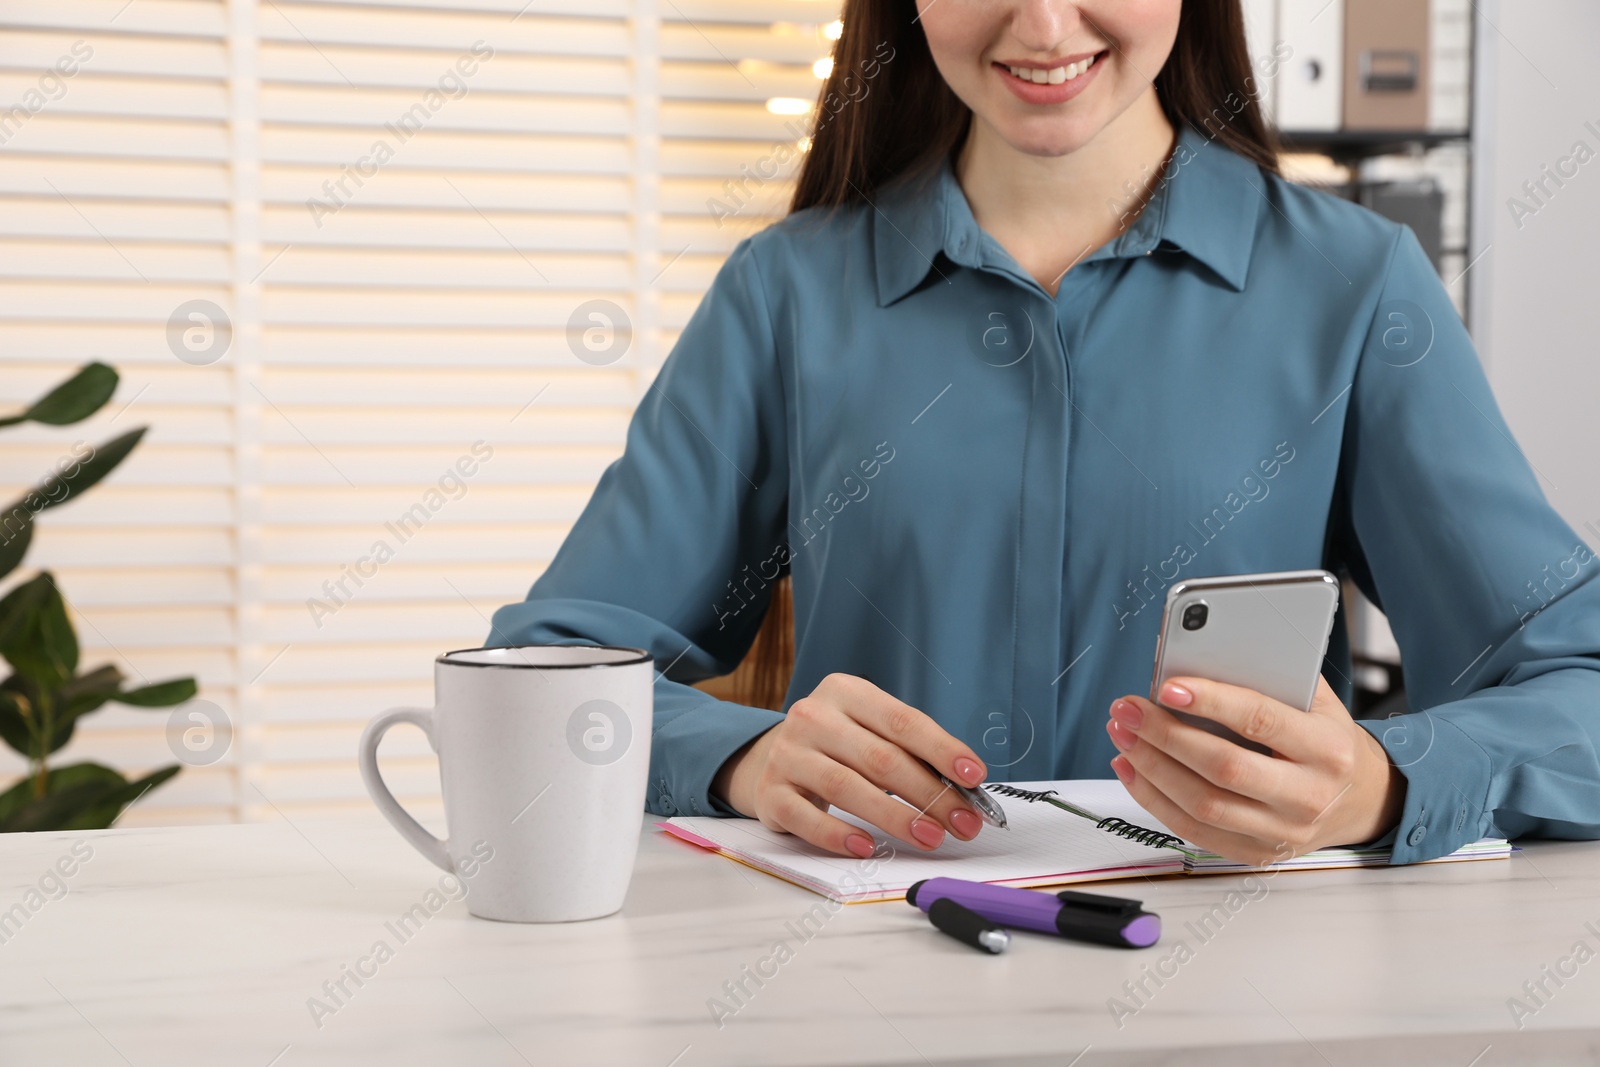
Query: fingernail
[
  {"x": 1121, "y": 736},
  {"x": 1127, "y": 713},
  {"x": 1122, "y": 770},
  {"x": 1176, "y": 696},
  {"x": 965, "y": 823},
  {"x": 969, "y": 771},
  {"x": 860, "y": 844},
  {"x": 927, "y": 831}
]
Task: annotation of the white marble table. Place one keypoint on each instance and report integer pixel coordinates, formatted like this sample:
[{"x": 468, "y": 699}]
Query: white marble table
[{"x": 204, "y": 945}]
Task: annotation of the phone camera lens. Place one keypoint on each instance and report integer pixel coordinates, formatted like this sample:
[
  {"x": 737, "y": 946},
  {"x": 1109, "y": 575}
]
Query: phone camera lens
[{"x": 1194, "y": 616}]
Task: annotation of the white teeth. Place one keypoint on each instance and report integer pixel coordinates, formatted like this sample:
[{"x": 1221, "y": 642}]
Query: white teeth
[{"x": 1054, "y": 75}]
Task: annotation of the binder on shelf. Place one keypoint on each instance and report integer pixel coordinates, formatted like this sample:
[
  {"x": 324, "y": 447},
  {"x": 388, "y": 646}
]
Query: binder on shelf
[
  {"x": 1261, "y": 38},
  {"x": 1309, "y": 88},
  {"x": 1386, "y": 64}
]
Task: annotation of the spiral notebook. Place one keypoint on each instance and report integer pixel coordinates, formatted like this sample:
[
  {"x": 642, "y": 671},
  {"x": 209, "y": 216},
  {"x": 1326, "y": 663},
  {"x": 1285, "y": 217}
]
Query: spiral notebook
[{"x": 1060, "y": 833}]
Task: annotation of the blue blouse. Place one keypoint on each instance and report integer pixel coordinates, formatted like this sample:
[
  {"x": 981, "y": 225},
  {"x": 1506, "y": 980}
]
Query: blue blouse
[{"x": 982, "y": 491}]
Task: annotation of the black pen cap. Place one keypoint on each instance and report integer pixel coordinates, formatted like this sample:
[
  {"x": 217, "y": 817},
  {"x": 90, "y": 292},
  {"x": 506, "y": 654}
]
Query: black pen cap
[
  {"x": 964, "y": 924},
  {"x": 1106, "y": 920}
]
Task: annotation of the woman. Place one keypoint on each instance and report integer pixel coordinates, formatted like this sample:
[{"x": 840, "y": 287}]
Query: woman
[{"x": 1044, "y": 332}]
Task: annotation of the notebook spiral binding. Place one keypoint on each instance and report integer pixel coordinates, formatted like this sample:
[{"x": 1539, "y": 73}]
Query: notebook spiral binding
[
  {"x": 1120, "y": 827},
  {"x": 1029, "y": 795},
  {"x": 1124, "y": 828}
]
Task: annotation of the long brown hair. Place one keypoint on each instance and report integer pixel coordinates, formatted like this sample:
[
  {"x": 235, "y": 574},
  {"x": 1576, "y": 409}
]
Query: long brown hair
[{"x": 878, "y": 118}]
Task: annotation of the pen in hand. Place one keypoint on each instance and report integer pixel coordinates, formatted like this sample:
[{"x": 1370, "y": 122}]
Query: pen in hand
[{"x": 983, "y": 803}]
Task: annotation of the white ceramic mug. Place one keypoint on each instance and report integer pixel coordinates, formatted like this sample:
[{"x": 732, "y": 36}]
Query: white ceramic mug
[{"x": 544, "y": 753}]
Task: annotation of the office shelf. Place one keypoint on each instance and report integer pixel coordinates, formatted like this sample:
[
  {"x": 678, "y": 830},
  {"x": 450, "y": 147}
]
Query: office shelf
[{"x": 1349, "y": 146}]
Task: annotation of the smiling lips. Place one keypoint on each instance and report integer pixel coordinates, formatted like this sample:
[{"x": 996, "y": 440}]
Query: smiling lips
[
  {"x": 1052, "y": 83},
  {"x": 1052, "y": 75}
]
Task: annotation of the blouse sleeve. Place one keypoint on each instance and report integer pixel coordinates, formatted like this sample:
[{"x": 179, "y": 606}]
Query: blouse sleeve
[
  {"x": 657, "y": 558},
  {"x": 1492, "y": 597}
]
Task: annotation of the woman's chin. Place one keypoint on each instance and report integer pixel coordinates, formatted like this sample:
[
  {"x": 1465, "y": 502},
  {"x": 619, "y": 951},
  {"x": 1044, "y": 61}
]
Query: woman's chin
[{"x": 1045, "y": 137}]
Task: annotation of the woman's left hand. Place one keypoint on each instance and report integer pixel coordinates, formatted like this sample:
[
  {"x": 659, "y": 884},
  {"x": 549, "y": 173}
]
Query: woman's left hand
[{"x": 1328, "y": 781}]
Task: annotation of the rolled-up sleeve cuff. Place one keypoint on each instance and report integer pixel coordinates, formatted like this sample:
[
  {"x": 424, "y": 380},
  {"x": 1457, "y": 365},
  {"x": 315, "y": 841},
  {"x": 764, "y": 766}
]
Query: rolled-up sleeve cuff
[
  {"x": 1447, "y": 784},
  {"x": 689, "y": 748}
]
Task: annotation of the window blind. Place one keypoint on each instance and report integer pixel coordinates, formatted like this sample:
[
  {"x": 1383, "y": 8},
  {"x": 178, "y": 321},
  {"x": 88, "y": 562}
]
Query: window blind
[
  {"x": 404, "y": 214},
  {"x": 117, "y": 208}
]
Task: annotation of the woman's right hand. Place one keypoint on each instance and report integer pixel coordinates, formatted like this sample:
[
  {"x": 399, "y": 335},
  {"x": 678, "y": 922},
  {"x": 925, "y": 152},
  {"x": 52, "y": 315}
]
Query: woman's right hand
[{"x": 844, "y": 745}]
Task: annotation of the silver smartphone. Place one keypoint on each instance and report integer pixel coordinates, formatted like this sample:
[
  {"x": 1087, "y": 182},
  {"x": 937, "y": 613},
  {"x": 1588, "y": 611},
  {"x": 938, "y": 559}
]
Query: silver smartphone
[{"x": 1266, "y": 632}]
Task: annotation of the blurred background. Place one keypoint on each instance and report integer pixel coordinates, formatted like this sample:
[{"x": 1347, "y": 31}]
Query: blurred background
[{"x": 385, "y": 281}]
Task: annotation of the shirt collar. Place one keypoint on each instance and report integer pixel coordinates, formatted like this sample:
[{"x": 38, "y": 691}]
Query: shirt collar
[{"x": 1207, "y": 204}]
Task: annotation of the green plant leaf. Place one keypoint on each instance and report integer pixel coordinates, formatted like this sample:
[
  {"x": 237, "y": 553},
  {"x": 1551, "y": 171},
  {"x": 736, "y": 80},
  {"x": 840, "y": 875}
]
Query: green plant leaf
[
  {"x": 57, "y": 489},
  {"x": 66, "y": 788},
  {"x": 74, "y": 400},
  {"x": 102, "y": 814},
  {"x": 88, "y": 691},
  {"x": 159, "y": 695},
  {"x": 13, "y": 726},
  {"x": 36, "y": 636},
  {"x": 13, "y": 606},
  {"x": 16, "y": 533},
  {"x": 79, "y": 697},
  {"x": 80, "y": 796}
]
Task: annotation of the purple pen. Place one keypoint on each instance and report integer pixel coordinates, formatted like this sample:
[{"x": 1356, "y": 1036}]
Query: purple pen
[{"x": 1081, "y": 916}]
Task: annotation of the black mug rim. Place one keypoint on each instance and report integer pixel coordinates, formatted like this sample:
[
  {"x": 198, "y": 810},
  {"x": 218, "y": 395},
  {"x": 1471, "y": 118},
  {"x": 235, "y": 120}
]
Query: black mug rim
[{"x": 639, "y": 656}]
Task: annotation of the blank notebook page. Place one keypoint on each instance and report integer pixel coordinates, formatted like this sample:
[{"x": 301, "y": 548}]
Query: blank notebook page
[{"x": 1043, "y": 846}]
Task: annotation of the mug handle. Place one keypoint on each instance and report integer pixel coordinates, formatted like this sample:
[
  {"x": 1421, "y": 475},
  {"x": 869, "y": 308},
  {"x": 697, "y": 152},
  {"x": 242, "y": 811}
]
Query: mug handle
[{"x": 424, "y": 842}]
